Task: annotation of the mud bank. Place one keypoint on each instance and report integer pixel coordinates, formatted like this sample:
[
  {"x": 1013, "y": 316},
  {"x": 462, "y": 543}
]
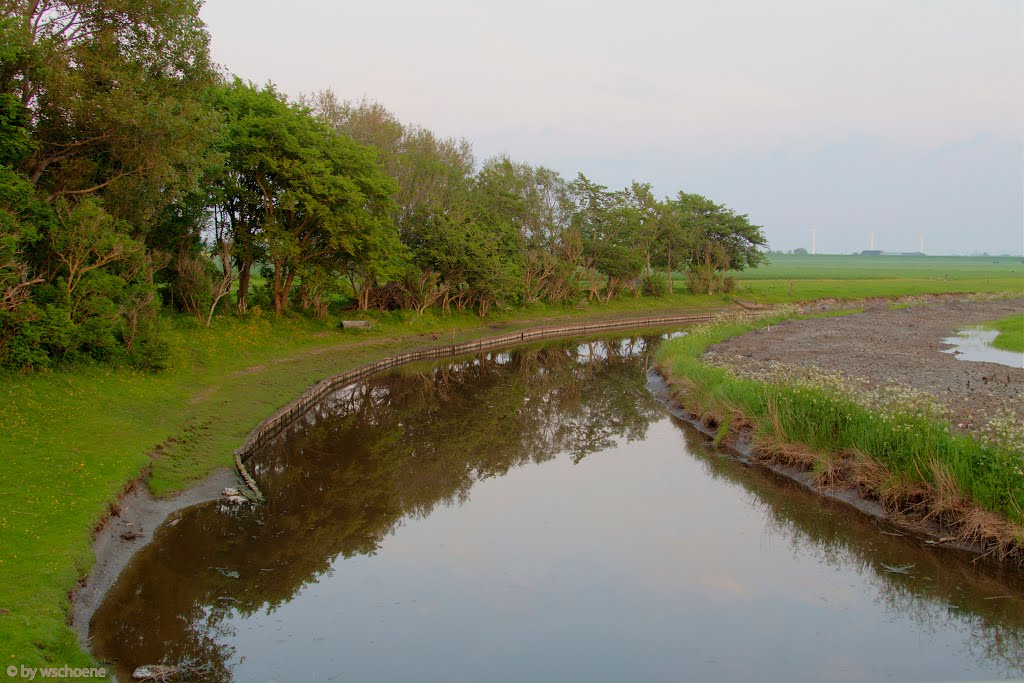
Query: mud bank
[
  {"x": 129, "y": 528},
  {"x": 904, "y": 347}
]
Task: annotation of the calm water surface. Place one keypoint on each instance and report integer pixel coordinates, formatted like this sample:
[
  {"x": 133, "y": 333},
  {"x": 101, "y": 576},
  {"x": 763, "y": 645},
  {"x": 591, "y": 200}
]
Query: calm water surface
[
  {"x": 538, "y": 515},
  {"x": 973, "y": 344}
]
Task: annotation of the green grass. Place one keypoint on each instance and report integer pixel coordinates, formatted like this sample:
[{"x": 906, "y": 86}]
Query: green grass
[
  {"x": 1011, "y": 332},
  {"x": 789, "y": 278},
  {"x": 907, "y": 442}
]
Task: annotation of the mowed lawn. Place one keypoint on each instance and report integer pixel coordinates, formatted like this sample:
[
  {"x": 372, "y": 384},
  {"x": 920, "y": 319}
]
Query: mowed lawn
[{"x": 805, "y": 278}]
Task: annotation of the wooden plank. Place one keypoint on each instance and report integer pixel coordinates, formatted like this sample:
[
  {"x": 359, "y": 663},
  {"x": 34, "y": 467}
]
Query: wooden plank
[{"x": 274, "y": 425}]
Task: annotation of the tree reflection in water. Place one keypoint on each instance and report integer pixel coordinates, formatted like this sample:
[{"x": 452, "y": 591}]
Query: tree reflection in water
[{"x": 397, "y": 446}]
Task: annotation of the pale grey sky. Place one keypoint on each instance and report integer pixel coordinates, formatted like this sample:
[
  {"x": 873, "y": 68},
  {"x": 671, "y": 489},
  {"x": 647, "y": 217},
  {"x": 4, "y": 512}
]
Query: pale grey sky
[{"x": 894, "y": 116}]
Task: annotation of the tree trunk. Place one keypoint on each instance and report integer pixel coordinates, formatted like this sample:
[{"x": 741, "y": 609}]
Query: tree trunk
[
  {"x": 280, "y": 291},
  {"x": 668, "y": 272},
  {"x": 288, "y": 281},
  {"x": 363, "y": 293},
  {"x": 244, "y": 270}
]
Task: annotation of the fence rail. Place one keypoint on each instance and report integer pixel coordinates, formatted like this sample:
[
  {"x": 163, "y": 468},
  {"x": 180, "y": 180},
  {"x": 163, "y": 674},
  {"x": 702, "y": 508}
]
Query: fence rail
[{"x": 274, "y": 425}]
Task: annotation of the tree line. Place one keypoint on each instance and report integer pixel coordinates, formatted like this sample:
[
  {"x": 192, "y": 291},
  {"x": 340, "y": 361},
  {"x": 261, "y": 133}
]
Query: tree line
[{"x": 136, "y": 178}]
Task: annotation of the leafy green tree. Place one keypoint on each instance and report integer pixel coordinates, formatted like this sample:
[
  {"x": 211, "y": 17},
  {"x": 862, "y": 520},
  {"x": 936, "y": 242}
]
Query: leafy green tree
[
  {"x": 611, "y": 235},
  {"x": 113, "y": 90},
  {"x": 650, "y": 217},
  {"x": 311, "y": 198},
  {"x": 676, "y": 240},
  {"x": 18, "y": 230},
  {"x": 432, "y": 173},
  {"x": 739, "y": 240},
  {"x": 101, "y": 126},
  {"x": 537, "y": 202},
  {"x": 477, "y": 253},
  {"x": 88, "y": 239}
]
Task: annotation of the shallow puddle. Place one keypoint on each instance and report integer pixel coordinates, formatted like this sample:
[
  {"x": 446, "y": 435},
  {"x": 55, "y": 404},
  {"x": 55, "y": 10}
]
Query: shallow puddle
[
  {"x": 975, "y": 344},
  {"x": 538, "y": 515}
]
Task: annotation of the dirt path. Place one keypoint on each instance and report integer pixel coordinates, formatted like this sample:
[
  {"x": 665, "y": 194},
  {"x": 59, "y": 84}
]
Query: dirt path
[{"x": 903, "y": 347}]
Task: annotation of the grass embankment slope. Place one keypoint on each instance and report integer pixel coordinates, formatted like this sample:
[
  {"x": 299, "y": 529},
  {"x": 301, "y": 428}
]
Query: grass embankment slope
[
  {"x": 70, "y": 440},
  {"x": 806, "y": 278},
  {"x": 897, "y": 450}
]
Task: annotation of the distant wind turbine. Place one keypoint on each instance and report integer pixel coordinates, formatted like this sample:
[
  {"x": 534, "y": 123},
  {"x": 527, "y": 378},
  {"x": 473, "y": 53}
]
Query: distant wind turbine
[{"x": 814, "y": 240}]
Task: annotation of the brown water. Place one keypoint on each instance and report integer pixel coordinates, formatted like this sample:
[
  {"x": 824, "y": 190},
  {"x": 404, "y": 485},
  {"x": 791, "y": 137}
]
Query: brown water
[{"x": 538, "y": 515}]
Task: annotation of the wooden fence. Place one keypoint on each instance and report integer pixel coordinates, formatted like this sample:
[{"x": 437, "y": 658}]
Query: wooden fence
[{"x": 283, "y": 418}]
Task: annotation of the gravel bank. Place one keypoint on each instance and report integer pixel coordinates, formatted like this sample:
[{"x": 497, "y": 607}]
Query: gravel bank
[{"x": 883, "y": 347}]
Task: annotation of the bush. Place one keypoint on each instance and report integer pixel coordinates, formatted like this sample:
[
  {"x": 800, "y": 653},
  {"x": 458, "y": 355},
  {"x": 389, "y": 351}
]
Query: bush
[
  {"x": 705, "y": 279},
  {"x": 36, "y": 337},
  {"x": 192, "y": 293},
  {"x": 261, "y": 296},
  {"x": 21, "y": 338},
  {"x": 654, "y": 285},
  {"x": 95, "y": 339},
  {"x": 151, "y": 350}
]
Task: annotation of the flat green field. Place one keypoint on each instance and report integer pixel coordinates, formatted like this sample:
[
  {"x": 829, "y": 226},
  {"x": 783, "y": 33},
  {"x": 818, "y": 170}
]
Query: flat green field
[{"x": 805, "y": 278}]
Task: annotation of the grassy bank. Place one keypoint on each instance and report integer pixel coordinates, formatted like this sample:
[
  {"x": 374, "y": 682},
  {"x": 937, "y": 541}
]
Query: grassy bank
[
  {"x": 1011, "y": 332},
  {"x": 70, "y": 440},
  {"x": 894, "y": 447}
]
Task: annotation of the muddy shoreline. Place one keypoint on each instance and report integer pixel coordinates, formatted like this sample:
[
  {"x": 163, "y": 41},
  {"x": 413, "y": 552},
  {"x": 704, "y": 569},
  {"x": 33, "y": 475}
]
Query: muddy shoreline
[
  {"x": 121, "y": 535},
  {"x": 884, "y": 347}
]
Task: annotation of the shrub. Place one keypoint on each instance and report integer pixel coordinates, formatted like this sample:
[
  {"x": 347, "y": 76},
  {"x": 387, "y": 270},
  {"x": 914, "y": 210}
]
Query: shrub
[
  {"x": 192, "y": 293},
  {"x": 703, "y": 279},
  {"x": 654, "y": 285},
  {"x": 151, "y": 350}
]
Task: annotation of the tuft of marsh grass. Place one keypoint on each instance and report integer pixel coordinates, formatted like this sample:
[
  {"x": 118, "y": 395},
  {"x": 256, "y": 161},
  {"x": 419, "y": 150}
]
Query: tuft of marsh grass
[{"x": 1011, "y": 332}]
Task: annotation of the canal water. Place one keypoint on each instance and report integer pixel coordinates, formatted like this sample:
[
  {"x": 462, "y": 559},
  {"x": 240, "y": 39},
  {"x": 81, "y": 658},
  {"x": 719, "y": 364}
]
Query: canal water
[{"x": 537, "y": 514}]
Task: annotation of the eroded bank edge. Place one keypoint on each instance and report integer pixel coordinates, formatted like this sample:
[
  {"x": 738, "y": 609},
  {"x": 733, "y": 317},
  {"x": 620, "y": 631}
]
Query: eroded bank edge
[
  {"x": 741, "y": 445},
  {"x": 741, "y": 437}
]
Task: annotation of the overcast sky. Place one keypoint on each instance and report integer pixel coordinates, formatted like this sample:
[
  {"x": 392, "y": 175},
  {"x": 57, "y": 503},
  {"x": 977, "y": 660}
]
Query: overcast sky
[{"x": 900, "y": 117}]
